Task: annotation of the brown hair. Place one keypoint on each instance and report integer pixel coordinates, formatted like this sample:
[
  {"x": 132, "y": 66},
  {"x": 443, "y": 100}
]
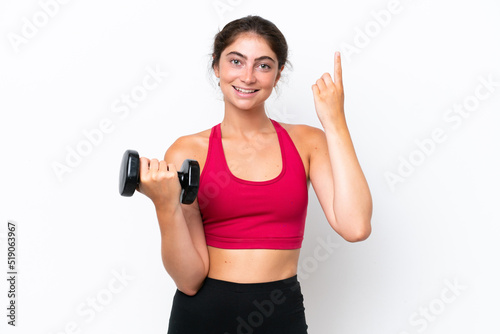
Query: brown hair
[{"x": 251, "y": 24}]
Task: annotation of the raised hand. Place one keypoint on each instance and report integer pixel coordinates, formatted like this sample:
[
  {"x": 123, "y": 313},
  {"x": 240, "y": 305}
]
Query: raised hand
[{"x": 329, "y": 97}]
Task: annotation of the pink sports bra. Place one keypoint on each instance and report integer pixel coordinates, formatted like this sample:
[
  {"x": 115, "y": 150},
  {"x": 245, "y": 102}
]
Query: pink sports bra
[{"x": 242, "y": 214}]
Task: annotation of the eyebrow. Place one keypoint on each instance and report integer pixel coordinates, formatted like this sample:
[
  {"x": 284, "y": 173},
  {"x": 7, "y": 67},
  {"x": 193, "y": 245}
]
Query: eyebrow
[{"x": 245, "y": 57}]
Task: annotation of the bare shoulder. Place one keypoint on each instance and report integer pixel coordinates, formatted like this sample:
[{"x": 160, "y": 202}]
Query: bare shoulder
[
  {"x": 193, "y": 146},
  {"x": 305, "y": 136}
]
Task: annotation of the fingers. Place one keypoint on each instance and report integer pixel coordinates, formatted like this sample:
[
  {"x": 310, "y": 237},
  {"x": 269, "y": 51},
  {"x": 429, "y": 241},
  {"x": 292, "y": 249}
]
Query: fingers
[
  {"x": 338, "y": 69},
  {"x": 162, "y": 166},
  {"x": 315, "y": 90},
  {"x": 326, "y": 80},
  {"x": 143, "y": 166},
  {"x": 171, "y": 167},
  {"x": 155, "y": 167},
  {"x": 324, "y": 84}
]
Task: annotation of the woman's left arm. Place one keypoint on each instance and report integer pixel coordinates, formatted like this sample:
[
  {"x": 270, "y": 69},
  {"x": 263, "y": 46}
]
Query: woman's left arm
[{"x": 334, "y": 170}]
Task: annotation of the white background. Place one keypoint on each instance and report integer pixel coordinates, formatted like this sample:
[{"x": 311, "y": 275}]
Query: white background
[{"x": 436, "y": 227}]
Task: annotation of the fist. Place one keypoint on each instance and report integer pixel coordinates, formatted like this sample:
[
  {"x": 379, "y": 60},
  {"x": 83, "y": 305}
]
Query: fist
[{"x": 160, "y": 182}]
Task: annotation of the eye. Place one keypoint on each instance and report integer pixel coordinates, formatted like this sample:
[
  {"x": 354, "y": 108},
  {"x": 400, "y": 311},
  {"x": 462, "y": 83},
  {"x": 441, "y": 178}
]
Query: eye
[
  {"x": 264, "y": 67},
  {"x": 235, "y": 61}
]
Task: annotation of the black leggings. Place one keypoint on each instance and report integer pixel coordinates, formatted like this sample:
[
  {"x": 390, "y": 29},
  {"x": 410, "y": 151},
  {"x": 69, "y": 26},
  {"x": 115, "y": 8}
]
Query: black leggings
[{"x": 222, "y": 307}]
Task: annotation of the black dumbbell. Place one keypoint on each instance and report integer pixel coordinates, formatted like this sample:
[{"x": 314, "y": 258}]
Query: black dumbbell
[{"x": 189, "y": 177}]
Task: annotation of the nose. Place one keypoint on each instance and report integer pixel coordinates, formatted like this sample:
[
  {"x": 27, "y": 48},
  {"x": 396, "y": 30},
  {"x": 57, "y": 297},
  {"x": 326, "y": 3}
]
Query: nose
[{"x": 248, "y": 75}]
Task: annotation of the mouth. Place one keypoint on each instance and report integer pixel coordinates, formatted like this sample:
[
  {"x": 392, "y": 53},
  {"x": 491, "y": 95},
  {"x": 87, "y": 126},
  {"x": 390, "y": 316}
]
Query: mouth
[{"x": 245, "y": 92}]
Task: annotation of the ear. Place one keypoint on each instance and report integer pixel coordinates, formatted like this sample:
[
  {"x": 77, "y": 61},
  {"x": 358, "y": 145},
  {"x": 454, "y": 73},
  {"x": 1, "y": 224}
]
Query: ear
[
  {"x": 278, "y": 76},
  {"x": 216, "y": 68}
]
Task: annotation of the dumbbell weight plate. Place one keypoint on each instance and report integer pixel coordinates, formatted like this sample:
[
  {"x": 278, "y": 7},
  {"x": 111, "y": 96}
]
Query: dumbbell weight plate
[
  {"x": 129, "y": 173},
  {"x": 189, "y": 177}
]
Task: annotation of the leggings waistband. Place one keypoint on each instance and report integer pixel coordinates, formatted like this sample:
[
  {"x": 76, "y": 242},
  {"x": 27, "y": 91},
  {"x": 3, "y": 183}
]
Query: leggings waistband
[{"x": 287, "y": 283}]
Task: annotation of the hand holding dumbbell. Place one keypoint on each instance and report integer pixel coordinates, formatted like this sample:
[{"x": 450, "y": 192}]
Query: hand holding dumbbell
[{"x": 189, "y": 177}]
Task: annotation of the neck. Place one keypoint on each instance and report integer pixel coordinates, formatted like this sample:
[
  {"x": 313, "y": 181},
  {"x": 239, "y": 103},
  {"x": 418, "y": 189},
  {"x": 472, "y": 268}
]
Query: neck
[{"x": 245, "y": 123}]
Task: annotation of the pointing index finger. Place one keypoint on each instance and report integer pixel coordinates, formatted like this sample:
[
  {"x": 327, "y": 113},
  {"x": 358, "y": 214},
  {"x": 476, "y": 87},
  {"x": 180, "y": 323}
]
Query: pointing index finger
[{"x": 338, "y": 68}]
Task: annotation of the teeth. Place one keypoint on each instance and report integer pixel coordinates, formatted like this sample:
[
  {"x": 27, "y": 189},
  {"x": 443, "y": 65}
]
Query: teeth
[{"x": 244, "y": 90}]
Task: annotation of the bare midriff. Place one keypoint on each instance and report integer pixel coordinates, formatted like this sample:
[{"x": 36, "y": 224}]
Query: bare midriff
[{"x": 252, "y": 265}]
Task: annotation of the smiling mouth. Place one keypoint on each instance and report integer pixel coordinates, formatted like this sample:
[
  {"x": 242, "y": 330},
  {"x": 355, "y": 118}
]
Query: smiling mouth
[{"x": 245, "y": 91}]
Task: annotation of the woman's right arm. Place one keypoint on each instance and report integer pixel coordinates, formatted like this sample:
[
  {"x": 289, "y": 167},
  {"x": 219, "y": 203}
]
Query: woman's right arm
[{"x": 183, "y": 246}]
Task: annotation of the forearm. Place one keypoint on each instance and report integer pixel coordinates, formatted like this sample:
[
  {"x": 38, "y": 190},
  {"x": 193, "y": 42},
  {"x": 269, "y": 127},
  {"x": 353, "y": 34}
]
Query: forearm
[
  {"x": 180, "y": 258},
  {"x": 352, "y": 202}
]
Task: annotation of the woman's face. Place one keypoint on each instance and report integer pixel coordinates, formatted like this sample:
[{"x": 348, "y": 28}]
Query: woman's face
[{"x": 248, "y": 71}]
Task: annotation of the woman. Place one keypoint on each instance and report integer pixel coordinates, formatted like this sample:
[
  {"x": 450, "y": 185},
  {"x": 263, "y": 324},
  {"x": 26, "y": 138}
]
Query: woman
[{"x": 233, "y": 254}]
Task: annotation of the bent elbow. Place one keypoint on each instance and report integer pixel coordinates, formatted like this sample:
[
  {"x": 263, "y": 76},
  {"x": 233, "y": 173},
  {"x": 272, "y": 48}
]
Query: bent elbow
[
  {"x": 360, "y": 234},
  {"x": 191, "y": 288},
  {"x": 189, "y": 292}
]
